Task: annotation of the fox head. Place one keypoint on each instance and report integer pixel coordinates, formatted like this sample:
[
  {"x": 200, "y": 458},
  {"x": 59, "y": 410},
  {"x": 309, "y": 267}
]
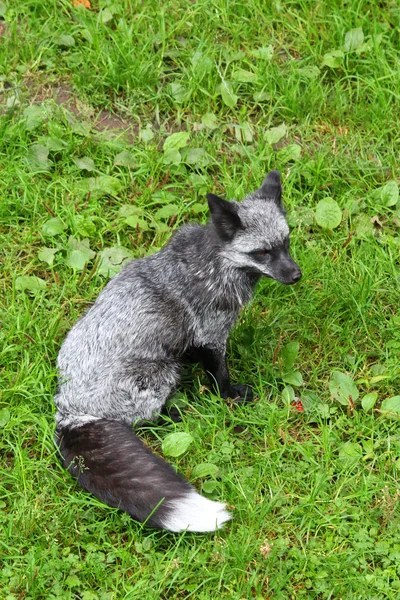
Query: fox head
[{"x": 255, "y": 233}]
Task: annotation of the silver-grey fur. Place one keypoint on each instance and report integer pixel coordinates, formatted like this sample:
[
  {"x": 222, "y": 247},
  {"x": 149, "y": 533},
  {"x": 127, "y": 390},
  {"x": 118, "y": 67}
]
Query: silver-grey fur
[{"x": 122, "y": 359}]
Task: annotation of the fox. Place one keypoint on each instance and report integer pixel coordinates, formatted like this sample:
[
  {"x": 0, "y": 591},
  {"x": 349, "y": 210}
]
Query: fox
[{"x": 123, "y": 358}]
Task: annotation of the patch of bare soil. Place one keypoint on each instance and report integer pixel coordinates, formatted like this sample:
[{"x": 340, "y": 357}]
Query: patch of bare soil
[{"x": 102, "y": 121}]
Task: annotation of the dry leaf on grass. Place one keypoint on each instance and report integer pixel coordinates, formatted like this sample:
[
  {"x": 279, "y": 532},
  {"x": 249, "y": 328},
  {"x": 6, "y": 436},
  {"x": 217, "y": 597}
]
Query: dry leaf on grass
[{"x": 84, "y": 3}]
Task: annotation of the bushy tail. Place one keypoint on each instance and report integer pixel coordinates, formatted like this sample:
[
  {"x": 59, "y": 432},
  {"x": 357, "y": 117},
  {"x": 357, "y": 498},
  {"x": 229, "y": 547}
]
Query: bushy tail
[{"x": 112, "y": 463}]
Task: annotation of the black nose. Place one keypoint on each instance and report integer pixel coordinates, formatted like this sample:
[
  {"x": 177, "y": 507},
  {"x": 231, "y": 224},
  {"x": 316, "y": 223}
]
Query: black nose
[{"x": 296, "y": 276}]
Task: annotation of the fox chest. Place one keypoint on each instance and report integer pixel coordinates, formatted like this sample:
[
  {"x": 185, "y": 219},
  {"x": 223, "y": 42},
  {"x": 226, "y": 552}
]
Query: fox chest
[{"x": 212, "y": 328}]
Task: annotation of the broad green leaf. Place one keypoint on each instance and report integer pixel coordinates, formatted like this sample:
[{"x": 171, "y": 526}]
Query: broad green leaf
[
  {"x": 293, "y": 378},
  {"x": 112, "y": 260},
  {"x": 38, "y": 157},
  {"x": 275, "y": 134},
  {"x": 198, "y": 157},
  {"x": 176, "y": 444},
  {"x": 363, "y": 226},
  {"x": 350, "y": 454},
  {"x": 370, "y": 44},
  {"x": 209, "y": 120},
  {"x": 136, "y": 222},
  {"x": 228, "y": 97},
  {"x": 79, "y": 127},
  {"x": 85, "y": 164},
  {"x": 291, "y": 152},
  {"x": 333, "y": 59},
  {"x": 232, "y": 55},
  {"x": 179, "y": 92},
  {"x": 164, "y": 197},
  {"x": 288, "y": 395},
  {"x": 200, "y": 184},
  {"x": 328, "y": 214},
  {"x": 244, "y": 132},
  {"x": 79, "y": 254},
  {"x": 289, "y": 354},
  {"x": 4, "y": 416},
  {"x": 365, "y": 47},
  {"x": 368, "y": 447},
  {"x": 12, "y": 101},
  {"x": 262, "y": 96},
  {"x": 125, "y": 159},
  {"x": 3, "y": 9},
  {"x": 353, "y": 39},
  {"x": 389, "y": 193},
  {"x": 172, "y": 156},
  {"x": 393, "y": 345},
  {"x": 73, "y": 581},
  {"x": 343, "y": 388},
  {"x": 243, "y": 76},
  {"x": 105, "y": 184},
  {"x": 391, "y": 406},
  {"x": 209, "y": 487},
  {"x": 204, "y": 470},
  {"x": 106, "y": 15},
  {"x": 308, "y": 72},
  {"x": 198, "y": 208},
  {"x": 368, "y": 401},
  {"x": 166, "y": 212},
  {"x": 201, "y": 64},
  {"x": 84, "y": 225},
  {"x": 324, "y": 410},
  {"x": 88, "y": 595},
  {"x": 354, "y": 206},
  {"x": 53, "y": 226},
  {"x": 176, "y": 141},
  {"x": 55, "y": 144},
  {"x": 33, "y": 116},
  {"x": 141, "y": 547},
  {"x": 30, "y": 283},
  {"x": 264, "y": 52},
  {"x": 147, "y": 134},
  {"x": 47, "y": 255},
  {"x": 67, "y": 41},
  {"x": 126, "y": 210},
  {"x": 86, "y": 33}
]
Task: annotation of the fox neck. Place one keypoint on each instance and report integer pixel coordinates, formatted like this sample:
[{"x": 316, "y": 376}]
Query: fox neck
[{"x": 211, "y": 278}]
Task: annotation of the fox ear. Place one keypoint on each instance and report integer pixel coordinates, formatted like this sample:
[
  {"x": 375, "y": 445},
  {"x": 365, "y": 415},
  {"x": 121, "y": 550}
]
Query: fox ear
[
  {"x": 271, "y": 187},
  {"x": 224, "y": 216}
]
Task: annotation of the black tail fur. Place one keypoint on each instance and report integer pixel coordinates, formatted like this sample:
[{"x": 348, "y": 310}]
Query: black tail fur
[{"x": 111, "y": 462}]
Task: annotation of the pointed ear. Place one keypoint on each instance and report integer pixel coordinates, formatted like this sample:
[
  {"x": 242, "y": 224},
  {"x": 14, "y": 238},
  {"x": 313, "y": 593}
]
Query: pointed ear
[
  {"x": 271, "y": 187},
  {"x": 224, "y": 216}
]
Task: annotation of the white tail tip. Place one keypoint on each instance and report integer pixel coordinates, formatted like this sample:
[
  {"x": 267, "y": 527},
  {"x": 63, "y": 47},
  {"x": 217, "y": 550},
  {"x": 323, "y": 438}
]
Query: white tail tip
[{"x": 196, "y": 513}]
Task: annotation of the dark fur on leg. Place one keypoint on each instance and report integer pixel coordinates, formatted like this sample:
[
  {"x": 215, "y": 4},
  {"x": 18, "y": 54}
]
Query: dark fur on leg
[{"x": 214, "y": 363}]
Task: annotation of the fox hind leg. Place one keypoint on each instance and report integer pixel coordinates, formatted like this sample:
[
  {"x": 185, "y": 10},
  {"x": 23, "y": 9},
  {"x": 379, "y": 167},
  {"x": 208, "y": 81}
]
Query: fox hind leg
[{"x": 145, "y": 387}]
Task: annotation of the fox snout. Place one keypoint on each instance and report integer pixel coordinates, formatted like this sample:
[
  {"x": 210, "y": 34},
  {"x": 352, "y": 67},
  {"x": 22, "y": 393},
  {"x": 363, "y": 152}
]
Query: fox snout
[
  {"x": 288, "y": 272},
  {"x": 296, "y": 275}
]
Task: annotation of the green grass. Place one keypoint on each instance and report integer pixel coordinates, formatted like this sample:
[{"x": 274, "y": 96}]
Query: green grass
[{"x": 314, "y": 494}]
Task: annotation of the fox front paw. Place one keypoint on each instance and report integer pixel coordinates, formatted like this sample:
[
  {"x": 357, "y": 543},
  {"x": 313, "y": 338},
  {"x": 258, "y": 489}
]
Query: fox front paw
[{"x": 240, "y": 393}]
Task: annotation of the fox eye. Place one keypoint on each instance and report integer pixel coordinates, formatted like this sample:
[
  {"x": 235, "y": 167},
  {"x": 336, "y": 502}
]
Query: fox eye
[{"x": 260, "y": 253}]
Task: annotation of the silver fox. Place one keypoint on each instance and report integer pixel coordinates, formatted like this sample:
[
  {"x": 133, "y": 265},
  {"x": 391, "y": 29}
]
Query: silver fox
[{"x": 122, "y": 359}]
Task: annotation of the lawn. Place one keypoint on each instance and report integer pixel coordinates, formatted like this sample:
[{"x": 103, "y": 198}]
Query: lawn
[{"x": 116, "y": 119}]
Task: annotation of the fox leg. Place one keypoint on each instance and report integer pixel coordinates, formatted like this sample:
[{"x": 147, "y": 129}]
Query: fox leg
[{"x": 214, "y": 363}]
